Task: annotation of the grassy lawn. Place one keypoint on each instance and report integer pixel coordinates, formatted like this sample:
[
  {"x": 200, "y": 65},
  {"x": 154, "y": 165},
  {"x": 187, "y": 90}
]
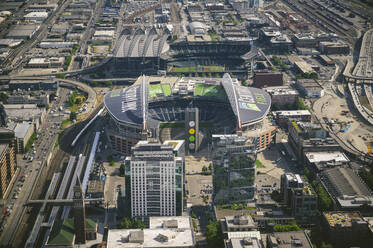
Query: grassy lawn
[
  {"x": 166, "y": 89},
  {"x": 65, "y": 123},
  {"x": 154, "y": 89},
  {"x": 259, "y": 164},
  {"x": 198, "y": 90}
]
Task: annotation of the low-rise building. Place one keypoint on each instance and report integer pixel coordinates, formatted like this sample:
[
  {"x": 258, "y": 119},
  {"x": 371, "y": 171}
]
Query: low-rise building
[
  {"x": 40, "y": 101},
  {"x": 320, "y": 161},
  {"x": 303, "y": 67},
  {"x": 58, "y": 44},
  {"x": 327, "y": 47},
  {"x": 281, "y": 43},
  {"x": 310, "y": 88},
  {"x": 347, "y": 229},
  {"x": 305, "y": 40},
  {"x": 284, "y": 117},
  {"x": 33, "y": 85},
  {"x": 310, "y": 137},
  {"x": 346, "y": 188},
  {"x": 22, "y": 31},
  {"x": 250, "y": 239},
  {"x": 36, "y": 16},
  {"x": 282, "y": 95},
  {"x": 173, "y": 232},
  {"x": 326, "y": 60},
  {"x": 267, "y": 79},
  {"x": 46, "y": 62},
  {"x": 18, "y": 113},
  {"x": 95, "y": 188},
  {"x": 60, "y": 28},
  {"x": 238, "y": 223}
]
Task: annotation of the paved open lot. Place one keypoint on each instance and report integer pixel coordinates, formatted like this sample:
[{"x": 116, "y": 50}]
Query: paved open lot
[
  {"x": 275, "y": 163},
  {"x": 332, "y": 106},
  {"x": 112, "y": 181},
  {"x": 196, "y": 183}
]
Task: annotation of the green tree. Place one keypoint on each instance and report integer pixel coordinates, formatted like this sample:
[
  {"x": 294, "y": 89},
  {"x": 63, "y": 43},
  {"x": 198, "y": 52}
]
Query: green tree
[
  {"x": 109, "y": 83},
  {"x": 128, "y": 223},
  {"x": 94, "y": 84},
  {"x": 300, "y": 104},
  {"x": 292, "y": 226},
  {"x": 214, "y": 236},
  {"x": 367, "y": 177},
  {"x": 72, "y": 116},
  {"x": 3, "y": 97},
  {"x": 204, "y": 169},
  {"x": 122, "y": 170},
  {"x": 78, "y": 101}
]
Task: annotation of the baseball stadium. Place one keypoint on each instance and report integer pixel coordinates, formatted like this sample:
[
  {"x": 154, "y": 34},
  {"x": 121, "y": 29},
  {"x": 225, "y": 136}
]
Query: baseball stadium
[{"x": 155, "y": 107}]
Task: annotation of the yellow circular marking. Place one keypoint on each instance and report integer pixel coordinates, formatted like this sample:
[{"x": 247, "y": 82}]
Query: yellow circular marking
[{"x": 192, "y": 131}]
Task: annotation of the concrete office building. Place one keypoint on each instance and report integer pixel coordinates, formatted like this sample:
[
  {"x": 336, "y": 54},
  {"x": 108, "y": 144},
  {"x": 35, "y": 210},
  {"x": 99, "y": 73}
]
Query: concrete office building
[
  {"x": 7, "y": 167},
  {"x": 154, "y": 180}
]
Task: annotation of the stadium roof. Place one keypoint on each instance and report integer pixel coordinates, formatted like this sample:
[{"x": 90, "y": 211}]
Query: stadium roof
[
  {"x": 141, "y": 44},
  {"x": 130, "y": 105}
]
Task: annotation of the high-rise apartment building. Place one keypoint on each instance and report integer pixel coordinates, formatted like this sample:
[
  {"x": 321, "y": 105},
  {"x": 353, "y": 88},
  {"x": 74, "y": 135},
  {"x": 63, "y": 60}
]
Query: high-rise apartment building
[{"x": 155, "y": 178}]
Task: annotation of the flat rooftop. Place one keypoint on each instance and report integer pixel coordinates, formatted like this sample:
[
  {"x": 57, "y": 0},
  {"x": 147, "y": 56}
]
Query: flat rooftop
[
  {"x": 315, "y": 157},
  {"x": 151, "y": 238},
  {"x": 291, "y": 112},
  {"x": 280, "y": 90},
  {"x": 160, "y": 222},
  {"x": 289, "y": 240}
]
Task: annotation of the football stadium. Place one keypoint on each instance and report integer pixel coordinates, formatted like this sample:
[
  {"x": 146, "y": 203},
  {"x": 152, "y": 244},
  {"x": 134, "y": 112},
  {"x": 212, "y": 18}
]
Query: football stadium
[{"x": 156, "y": 107}]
